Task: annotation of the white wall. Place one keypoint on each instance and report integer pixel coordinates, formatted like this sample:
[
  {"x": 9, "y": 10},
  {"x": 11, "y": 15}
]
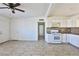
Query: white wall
[
  {"x": 24, "y": 29},
  {"x": 4, "y": 29}
]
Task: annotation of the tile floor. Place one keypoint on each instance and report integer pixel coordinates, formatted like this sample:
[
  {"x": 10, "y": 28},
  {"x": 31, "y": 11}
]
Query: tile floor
[{"x": 38, "y": 48}]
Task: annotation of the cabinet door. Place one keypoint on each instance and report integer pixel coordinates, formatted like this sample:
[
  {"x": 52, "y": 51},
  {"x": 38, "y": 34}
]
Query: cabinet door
[
  {"x": 74, "y": 40},
  {"x": 64, "y": 38},
  {"x": 50, "y": 38}
]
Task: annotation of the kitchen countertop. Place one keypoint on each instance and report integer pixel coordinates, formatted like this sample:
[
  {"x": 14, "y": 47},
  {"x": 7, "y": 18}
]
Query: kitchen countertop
[
  {"x": 64, "y": 30},
  {"x": 60, "y": 30}
]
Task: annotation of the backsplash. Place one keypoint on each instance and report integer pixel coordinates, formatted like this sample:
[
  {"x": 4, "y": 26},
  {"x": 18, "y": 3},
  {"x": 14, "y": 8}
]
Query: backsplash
[{"x": 60, "y": 29}]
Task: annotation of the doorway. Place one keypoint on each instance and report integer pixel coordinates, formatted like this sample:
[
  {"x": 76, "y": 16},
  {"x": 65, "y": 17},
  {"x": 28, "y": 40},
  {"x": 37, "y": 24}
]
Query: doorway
[{"x": 41, "y": 30}]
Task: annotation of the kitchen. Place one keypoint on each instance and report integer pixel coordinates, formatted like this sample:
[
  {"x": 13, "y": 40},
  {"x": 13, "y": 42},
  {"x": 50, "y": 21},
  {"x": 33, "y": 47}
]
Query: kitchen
[{"x": 63, "y": 30}]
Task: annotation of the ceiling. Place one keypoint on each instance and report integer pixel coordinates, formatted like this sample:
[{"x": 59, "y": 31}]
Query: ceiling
[
  {"x": 64, "y": 9},
  {"x": 31, "y": 10},
  {"x": 40, "y": 10}
]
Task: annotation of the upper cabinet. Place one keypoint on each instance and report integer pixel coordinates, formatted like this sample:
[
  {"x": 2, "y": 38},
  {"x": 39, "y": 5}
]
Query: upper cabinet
[
  {"x": 71, "y": 22},
  {"x": 77, "y": 23},
  {"x": 56, "y": 22},
  {"x": 62, "y": 22}
]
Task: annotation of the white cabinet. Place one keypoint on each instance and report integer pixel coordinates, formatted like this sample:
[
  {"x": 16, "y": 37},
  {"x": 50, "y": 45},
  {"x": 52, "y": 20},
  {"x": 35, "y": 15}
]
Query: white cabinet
[
  {"x": 71, "y": 23},
  {"x": 77, "y": 23},
  {"x": 68, "y": 38},
  {"x": 73, "y": 39},
  {"x": 64, "y": 38}
]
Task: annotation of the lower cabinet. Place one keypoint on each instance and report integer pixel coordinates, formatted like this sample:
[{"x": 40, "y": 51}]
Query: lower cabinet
[
  {"x": 73, "y": 39},
  {"x": 65, "y": 38}
]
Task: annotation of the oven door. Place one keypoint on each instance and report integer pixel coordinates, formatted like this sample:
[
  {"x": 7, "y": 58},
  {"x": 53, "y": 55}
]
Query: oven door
[{"x": 56, "y": 38}]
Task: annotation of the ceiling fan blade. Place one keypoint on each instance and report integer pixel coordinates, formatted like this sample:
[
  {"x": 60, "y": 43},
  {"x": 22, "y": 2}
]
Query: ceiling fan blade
[
  {"x": 5, "y": 4},
  {"x": 13, "y": 11},
  {"x": 17, "y": 4},
  {"x": 11, "y": 4},
  {"x": 19, "y": 10},
  {"x": 4, "y": 8}
]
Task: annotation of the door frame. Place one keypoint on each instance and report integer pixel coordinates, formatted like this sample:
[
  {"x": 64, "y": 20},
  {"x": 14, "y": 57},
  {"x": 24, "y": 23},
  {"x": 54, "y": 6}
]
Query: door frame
[{"x": 41, "y": 23}]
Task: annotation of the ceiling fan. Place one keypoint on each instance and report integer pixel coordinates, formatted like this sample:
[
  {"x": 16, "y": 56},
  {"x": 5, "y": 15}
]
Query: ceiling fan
[{"x": 12, "y": 6}]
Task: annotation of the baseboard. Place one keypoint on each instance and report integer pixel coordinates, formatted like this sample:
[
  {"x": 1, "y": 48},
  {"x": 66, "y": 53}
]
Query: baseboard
[
  {"x": 74, "y": 45},
  {"x": 4, "y": 42},
  {"x": 57, "y": 43},
  {"x": 23, "y": 40}
]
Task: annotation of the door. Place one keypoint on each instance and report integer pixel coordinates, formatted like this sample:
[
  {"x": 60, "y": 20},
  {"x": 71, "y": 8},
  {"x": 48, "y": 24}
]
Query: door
[{"x": 41, "y": 30}]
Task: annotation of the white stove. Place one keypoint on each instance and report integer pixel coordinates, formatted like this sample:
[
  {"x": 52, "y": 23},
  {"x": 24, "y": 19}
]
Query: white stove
[{"x": 54, "y": 37}]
